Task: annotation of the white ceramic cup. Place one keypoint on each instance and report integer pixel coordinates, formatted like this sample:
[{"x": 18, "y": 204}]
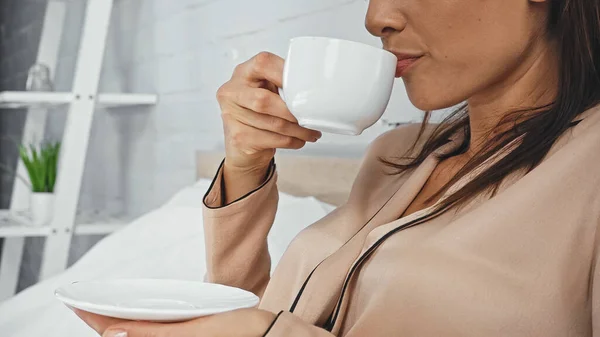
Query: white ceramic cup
[{"x": 337, "y": 86}]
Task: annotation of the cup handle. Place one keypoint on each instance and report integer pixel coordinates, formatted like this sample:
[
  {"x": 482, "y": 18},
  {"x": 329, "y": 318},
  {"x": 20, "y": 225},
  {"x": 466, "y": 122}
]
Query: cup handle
[{"x": 281, "y": 94}]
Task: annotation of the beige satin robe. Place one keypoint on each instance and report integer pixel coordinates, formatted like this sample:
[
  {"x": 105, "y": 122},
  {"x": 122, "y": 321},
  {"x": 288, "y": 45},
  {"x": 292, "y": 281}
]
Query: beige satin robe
[{"x": 523, "y": 263}]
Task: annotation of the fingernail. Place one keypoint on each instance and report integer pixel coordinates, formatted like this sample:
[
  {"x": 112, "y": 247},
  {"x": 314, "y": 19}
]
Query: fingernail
[
  {"x": 319, "y": 136},
  {"x": 115, "y": 333}
]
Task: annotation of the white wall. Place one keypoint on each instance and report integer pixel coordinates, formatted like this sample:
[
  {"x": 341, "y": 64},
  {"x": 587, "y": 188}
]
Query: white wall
[{"x": 184, "y": 50}]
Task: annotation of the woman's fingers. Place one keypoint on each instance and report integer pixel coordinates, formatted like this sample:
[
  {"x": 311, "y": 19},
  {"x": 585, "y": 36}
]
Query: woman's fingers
[
  {"x": 263, "y": 101},
  {"x": 145, "y": 329},
  {"x": 114, "y": 327},
  {"x": 251, "y": 140},
  {"x": 264, "y": 66},
  {"x": 256, "y": 99},
  {"x": 264, "y": 110},
  {"x": 277, "y": 125},
  {"x": 97, "y": 322}
]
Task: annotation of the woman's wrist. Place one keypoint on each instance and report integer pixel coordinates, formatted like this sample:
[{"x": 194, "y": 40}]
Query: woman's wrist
[{"x": 238, "y": 182}]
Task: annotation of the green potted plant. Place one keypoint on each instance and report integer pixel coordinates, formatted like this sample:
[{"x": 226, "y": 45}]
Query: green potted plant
[{"x": 42, "y": 166}]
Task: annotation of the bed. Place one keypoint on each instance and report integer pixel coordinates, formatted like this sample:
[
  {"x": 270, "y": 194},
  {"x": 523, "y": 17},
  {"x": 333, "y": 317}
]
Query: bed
[{"x": 168, "y": 242}]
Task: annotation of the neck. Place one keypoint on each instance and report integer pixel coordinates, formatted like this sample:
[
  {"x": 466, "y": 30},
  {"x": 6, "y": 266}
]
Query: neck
[{"x": 532, "y": 84}]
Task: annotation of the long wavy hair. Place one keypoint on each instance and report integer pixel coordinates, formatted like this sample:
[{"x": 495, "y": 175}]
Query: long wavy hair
[{"x": 574, "y": 27}]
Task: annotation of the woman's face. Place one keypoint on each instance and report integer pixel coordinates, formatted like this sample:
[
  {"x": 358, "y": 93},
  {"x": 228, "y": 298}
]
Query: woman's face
[{"x": 465, "y": 47}]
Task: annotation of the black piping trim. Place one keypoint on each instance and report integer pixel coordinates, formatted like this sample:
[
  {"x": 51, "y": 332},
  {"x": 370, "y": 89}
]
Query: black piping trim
[
  {"x": 268, "y": 176},
  {"x": 272, "y": 324},
  {"x": 301, "y": 291},
  {"x": 334, "y": 315},
  {"x": 222, "y": 185},
  {"x": 293, "y": 307}
]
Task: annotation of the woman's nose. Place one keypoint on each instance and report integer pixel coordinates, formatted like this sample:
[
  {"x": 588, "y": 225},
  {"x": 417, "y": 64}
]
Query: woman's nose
[{"x": 384, "y": 18}]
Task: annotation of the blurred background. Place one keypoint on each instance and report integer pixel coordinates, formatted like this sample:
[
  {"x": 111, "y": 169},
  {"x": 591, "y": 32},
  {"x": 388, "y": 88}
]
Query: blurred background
[{"x": 141, "y": 150}]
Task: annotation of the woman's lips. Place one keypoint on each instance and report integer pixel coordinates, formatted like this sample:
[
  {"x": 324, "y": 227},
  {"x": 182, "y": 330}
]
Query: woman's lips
[{"x": 404, "y": 64}]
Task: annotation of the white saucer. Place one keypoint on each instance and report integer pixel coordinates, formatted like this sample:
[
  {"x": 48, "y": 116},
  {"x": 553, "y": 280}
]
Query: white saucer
[{"x": 154, "y": 300}]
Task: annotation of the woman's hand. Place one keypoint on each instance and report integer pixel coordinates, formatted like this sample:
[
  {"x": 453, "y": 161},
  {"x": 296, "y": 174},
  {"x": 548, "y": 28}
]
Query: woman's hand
[
  {"x": 256, "y": 120},
  {"x": 239, "y": 323}
]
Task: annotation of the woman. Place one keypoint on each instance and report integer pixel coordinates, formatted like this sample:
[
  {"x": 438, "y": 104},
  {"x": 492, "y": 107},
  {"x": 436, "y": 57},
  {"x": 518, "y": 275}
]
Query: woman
[{"x": 485, "y": 225}]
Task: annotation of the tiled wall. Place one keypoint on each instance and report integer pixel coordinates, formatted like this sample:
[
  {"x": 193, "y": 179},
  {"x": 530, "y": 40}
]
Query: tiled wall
[{"x": 183, "y": 50}]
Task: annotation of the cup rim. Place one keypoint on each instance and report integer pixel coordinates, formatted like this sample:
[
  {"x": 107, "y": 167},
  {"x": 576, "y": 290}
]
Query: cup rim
[{"x": 340, "y": 40}]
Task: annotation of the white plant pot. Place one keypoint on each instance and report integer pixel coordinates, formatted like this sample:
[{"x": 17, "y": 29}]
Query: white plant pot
[{"x": 41, "y": 206}]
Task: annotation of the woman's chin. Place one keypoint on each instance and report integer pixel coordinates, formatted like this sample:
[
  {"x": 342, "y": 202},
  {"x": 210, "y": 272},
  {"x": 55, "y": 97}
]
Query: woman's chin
[
  {"x": 429, "y": 100},
  {"x": 425, "y": 103}
]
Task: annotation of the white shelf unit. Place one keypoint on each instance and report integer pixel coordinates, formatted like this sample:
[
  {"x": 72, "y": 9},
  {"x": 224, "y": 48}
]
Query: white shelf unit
[
  {"x": 28, "y": 99},
  {"x": 17, "y": 224},
  {"x": 82, "y": 101}
]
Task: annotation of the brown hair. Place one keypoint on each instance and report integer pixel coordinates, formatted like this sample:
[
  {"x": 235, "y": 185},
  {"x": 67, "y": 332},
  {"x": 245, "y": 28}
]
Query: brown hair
[{"x": 574, "y": 26}]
